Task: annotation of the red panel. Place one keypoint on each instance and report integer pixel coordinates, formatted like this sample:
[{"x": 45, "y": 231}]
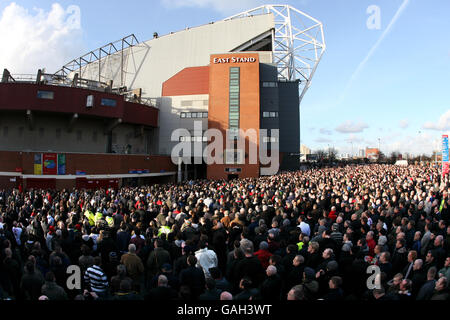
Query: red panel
[
  {"x": 41, "y": 183},
  {"x": 188, "y": 81},
  {"x": 19, "y": 96},
  {"x": 50, "y": 165}
]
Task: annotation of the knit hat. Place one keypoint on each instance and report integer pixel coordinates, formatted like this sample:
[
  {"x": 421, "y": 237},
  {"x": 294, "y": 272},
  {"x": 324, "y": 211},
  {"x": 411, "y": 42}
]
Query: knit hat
[
  {"x": 309, "y": 273},
  {"x": 263, "y": 245}
]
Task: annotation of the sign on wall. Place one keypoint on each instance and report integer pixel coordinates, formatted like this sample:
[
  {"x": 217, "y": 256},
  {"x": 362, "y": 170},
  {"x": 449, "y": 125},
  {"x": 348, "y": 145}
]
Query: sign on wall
[
  {"x": 50, "y": 166},
  {"x": 445, "y": 164},
  {"x": 38, "y": 163},
  {"x": 61, "y": 164}
]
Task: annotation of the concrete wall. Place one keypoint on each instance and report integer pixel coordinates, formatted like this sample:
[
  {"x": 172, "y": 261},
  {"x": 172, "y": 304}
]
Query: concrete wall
[
  {"x": 171, "y": 108},
  {"x": 87, "y": 135}
]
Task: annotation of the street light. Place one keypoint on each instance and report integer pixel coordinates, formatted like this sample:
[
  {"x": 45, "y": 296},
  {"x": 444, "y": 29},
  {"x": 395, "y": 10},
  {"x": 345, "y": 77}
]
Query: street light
[{"x": 420, "y": 155}]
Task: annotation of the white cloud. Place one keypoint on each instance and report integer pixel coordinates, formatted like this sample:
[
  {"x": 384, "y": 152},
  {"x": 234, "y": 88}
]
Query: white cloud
[
  {"x": 226, "y": 7},
  {"x": 442, "y": 124},
  {"x": 423, "y": 143},
  {"x": 323, "y": 140},
  {"x": 39, "y": 39},
  {"x": 325, "y": 131},
  {"x": 404, "y": 123},
  {"x": 355, "y": 139},
  {"x": 351, "y": 127}
]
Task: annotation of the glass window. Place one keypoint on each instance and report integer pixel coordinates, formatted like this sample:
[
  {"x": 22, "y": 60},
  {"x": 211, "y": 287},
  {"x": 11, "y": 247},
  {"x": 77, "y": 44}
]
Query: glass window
[
  {"x": 45, "y": 94},
  {"x": 183, "y": 115},
  {"x": 266, "y": 114},
  {"x": 108, "y": 102},
  {"x": 272, "y": 115},
  {"x": 194, "y": 114},
  {"x": 205, "y": 114},
  {"x": 188, "y": 115}
]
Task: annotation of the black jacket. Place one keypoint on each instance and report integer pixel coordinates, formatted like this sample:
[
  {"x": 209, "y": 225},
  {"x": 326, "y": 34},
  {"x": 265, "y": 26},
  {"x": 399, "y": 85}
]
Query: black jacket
[
  {"x": 250, "y": 267},
  {"x": 271, "y": 288},
  {"x": 194, "y": 278}
]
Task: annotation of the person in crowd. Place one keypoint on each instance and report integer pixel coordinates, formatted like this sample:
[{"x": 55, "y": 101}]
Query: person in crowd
[{"x": 300, "y": 235}]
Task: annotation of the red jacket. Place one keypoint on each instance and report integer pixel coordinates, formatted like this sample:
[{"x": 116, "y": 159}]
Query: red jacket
[
  {"x": 332, "y": 215},
  {"x": 263, "y": 256},
  {"x": 371, "y": 244}
]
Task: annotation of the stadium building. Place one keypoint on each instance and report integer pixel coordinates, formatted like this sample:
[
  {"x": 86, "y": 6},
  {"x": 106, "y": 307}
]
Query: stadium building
[{"x": 108, "y": 117}]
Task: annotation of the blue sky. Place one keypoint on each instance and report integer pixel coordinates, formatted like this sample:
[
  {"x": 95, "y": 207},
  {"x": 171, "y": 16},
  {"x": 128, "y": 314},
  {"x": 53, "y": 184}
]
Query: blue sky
[{"x": 401, "y": 90}]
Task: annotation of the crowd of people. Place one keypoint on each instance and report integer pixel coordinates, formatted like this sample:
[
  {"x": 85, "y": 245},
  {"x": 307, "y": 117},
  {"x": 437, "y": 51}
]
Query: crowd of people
[{"x": 368, "y": 232}]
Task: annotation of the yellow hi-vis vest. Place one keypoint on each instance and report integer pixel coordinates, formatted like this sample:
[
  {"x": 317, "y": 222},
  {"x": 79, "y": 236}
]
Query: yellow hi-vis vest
[
  {"x": 164, "y": 229},
  {"x": 88, "y": 214},
  {"x": 300, "y": 246},
  {"x": 110, "y": 221},
  {"x": 98, "y": 216}
]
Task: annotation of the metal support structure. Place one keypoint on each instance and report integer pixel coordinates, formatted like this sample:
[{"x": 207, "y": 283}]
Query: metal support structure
[
  {"x": 297, "y": 42},
  {"x": 77, "y": 65}
]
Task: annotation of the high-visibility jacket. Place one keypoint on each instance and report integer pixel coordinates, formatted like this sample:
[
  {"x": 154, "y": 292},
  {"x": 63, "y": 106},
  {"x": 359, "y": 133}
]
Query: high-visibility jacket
[
  {"x": 164, "y": 229},
  {"x": 300, "y": 246},
  {"x": 88, "y": 214},
  {"x": 442, "y": 205},
  {"x": 98, "y": 216},
  {"x": 110, "y": 221}
]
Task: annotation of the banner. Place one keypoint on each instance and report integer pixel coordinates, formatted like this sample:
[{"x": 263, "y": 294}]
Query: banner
[
  {"x": 61, "y": 164},
  {"x": 38, "y": 163},
  {"x": 445, "y": 166},
  {"x": 49, "y": 164}
]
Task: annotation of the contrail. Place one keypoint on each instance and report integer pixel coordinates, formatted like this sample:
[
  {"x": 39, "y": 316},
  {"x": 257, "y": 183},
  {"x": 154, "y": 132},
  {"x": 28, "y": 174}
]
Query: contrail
[{"x": 372, "y": 50}]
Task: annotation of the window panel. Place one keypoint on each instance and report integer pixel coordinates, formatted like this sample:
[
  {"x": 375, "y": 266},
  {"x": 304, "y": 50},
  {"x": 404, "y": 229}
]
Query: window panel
[{"x": 45, "y": 94}]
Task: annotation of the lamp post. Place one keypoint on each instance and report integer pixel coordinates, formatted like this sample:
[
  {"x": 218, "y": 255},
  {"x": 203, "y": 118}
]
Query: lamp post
[
  {"x": 420, "y": 155},
  {"x": 379, "y": 148}
]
